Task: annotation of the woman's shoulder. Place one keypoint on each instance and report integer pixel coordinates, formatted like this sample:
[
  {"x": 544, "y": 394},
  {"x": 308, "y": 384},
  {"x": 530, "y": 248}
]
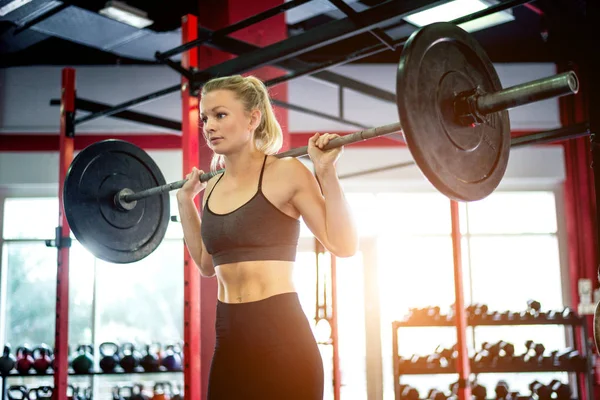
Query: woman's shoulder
[
  {"x": 287, "y": 165},
  {"x": 289, "y": 169}
]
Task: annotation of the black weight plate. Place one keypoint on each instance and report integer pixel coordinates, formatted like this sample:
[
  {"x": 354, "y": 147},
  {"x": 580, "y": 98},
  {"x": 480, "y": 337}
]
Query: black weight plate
[
  {"x": 465, "y": 163},
  {"x": 96, "y": 174}
]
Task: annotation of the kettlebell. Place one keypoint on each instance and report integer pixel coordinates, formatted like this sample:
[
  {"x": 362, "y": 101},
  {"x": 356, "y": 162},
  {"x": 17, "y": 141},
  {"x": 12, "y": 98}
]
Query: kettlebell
[
  {"x": 150, "y": 362},
  {"x": 7, "y": 361},
  {"x": 83, "y": 362},
  {"x": 110, "y": 356},
  {"x": 138, "y": 392},
  {"x": 17, "y": 392},
  {"x": 130, "y": 357},
  {"x": 44, "y": 393},
  {"x": 24, "y": 359},
  {"x": 177, "y": 395},
  {"x": 116, "y": 393},
  {"x": 160, "y": 392},
  {"x": 172, "y": 360},
  {"x": 41, "y": 358},
  {"x": 126, "y": 392}
]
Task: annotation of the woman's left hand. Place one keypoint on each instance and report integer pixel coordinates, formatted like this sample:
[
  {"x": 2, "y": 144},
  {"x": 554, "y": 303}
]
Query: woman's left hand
[{"x": 323, "y": 158}]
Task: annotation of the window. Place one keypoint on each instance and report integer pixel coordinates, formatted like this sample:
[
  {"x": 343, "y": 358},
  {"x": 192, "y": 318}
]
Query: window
[
  {"x": 510, "y": 255},
  {"x": 139, "y": 302}
]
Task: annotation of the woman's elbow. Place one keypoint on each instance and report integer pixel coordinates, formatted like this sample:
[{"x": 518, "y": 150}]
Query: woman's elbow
[
  {"x": 206, "y": 272},
  {"x": 345, "y": 250}
]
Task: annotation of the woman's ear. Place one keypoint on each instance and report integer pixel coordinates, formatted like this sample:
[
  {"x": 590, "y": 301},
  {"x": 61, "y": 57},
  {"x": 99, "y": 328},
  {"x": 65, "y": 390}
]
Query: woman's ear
[{"x": 255, "y": 118}]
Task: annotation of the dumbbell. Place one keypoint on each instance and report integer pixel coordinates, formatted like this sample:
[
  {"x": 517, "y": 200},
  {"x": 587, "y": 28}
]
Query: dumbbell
[
  {"x": 502, "y": 391},
  {"x": 409, "y": 393},
  {"x": 435, "y": 394},
  {"x": 560, "y": 390},
  {"x": 539, "y": 391},
  {"x": 506, "y": 352},
  {"x": 564, "y": 315},
  {"x": 568, "y": 358},
  {"x": 532, "y": 312},
  {"x": 535, "y": 352},
  {"x": 479, "y": 392}
]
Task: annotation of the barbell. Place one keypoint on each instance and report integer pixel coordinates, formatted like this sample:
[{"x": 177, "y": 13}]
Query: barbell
[{"x": 453, "y": 116}]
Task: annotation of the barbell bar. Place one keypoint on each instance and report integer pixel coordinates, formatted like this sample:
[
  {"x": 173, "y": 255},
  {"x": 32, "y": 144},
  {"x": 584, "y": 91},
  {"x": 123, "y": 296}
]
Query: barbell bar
[
  {"x": 472, "y": 107},
  {"x": 452, "y": 115}
]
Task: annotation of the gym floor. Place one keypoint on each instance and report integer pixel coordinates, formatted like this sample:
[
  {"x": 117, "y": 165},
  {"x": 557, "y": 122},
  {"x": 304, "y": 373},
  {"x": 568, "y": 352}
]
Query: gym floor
[{"x": 525, "y": 256}]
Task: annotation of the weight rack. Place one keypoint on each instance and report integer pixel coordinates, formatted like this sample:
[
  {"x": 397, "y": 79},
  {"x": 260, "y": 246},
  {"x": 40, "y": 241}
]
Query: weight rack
[{"x": 578, "y": 327}]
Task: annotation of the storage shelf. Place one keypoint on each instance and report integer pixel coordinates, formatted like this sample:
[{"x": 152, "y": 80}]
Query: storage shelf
[
  {"x": 445, "y": 322},
  {"x": 71, "y": 373}
]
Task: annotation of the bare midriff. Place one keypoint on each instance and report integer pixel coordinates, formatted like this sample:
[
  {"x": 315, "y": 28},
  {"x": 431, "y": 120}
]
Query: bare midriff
[{"x": 254, "y": 280}]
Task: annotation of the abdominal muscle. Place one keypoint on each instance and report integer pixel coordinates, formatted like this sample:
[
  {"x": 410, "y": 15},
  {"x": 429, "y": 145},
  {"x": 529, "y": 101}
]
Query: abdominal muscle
[{"x": 253, "y": 280}]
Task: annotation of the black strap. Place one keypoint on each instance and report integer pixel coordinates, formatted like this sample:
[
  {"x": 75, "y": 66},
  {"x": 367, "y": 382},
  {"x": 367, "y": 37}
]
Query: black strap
[
  {"x": 213, "y": 188},
  {"x": 261, "y": 173}
]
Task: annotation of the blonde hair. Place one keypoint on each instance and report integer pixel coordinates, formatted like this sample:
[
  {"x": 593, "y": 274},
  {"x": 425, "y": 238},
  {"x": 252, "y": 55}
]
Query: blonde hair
[{"x": 252, "y": 92}]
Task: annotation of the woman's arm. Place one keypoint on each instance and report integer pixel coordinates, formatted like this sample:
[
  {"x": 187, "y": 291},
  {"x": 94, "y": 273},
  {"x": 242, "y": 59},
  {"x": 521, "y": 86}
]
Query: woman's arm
[
  {"x": 192, "y": 224},
  {"x": 325, "y": 209},
  {"x": 192, "y": 235}
]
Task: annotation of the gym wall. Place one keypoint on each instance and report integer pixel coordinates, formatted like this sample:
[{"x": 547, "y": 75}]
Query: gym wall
[{"x": 25, "y": 108}]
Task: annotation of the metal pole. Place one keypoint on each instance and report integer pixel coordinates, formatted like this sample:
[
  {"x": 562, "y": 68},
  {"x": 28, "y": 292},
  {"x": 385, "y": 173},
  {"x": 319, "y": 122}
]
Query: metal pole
[
  {"x": 61, "y": 328},
  {"x": 463, "y": 366},
  {"x": 337, "y": 376},
  {"x": 192, "y": 352}
]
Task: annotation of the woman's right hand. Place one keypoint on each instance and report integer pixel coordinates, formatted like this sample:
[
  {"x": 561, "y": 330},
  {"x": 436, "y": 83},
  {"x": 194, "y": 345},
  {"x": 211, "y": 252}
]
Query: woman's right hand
[{"x": 193, "y": 186}]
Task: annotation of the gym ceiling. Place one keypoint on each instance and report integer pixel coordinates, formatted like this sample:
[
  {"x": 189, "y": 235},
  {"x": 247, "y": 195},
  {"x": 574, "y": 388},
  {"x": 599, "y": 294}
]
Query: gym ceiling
[{"x": 74, "y": 32}]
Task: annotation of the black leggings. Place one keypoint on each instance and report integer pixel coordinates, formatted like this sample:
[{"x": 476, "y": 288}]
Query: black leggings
[{"x": 265, "y": 350}]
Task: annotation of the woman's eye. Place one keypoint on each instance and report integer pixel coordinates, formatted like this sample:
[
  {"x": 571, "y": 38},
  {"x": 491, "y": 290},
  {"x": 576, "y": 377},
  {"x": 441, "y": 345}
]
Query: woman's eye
[
  {"x": 221, "y": 115},
  {"x": 203, "y": 120}
]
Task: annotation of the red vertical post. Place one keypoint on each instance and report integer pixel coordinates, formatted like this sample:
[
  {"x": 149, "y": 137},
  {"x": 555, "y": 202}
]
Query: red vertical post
[
  {"x": 192, "y": 330},
  {"x": 337, "y": 379},
  {"x": 61, "y": 327},
  {"x": 463, "y": 365}
]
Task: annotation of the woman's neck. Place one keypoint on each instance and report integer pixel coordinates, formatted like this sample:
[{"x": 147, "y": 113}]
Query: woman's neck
[{"x": 241, "y": 165}]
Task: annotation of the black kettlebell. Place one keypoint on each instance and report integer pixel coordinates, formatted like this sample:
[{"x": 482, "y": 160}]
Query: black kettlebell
[
  {"x": 7, "y": 361},
  {"x": 138, "y": 392},
  {"x": 130, "y": 358},
  {"x": 17, "y": 392},
  {"x": 150, "y": 361},
  {"x": 83, "y": 362},
  {"x": 110, "y": 356},
  {"x": 172, "y": 359},
  {"x": 24, "y": 359},
  {"x": 177, "y": 395},
  {"x": 44, "y": 392}
]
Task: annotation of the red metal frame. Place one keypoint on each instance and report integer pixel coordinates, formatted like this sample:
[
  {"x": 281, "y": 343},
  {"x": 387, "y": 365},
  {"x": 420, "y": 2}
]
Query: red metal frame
[
  {"x": 151, "y": 141},
  {"x": 51, "y": 142},
  {"x": 462, "y": 362},
  {"x": 193, "y": 366},
  {"x": 61, "y": 330}
]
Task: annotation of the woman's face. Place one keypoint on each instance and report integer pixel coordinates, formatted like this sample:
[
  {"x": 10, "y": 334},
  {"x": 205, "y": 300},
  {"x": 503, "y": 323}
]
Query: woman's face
[{"x": 226, "y": 125}]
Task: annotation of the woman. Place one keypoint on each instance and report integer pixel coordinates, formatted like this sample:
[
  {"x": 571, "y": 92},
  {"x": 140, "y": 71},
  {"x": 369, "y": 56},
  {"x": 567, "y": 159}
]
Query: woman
[{"x": 247, "y": 237}]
